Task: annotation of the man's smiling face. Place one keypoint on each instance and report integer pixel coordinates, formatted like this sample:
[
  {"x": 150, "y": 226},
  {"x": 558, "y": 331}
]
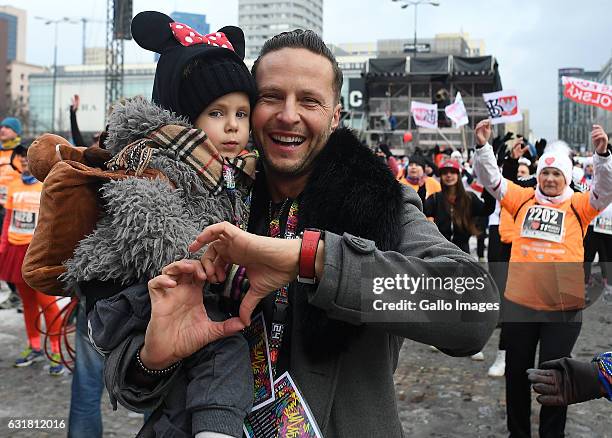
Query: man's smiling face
[{"x": 296, "y": 111}]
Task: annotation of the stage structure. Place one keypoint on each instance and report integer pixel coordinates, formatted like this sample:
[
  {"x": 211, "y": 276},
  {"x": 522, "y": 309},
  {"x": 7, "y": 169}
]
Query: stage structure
[{"x": 388, "y": 85}]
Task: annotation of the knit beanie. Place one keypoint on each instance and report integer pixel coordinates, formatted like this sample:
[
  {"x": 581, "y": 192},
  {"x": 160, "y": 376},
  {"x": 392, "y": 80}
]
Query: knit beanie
[
  {"x": 13, "y": 123},
  {"x": 557, "y": 160},
  {"x": 419, "y": 160},
  {"x": 207, "y": 79},
  {"x": 193, "y": 70}
]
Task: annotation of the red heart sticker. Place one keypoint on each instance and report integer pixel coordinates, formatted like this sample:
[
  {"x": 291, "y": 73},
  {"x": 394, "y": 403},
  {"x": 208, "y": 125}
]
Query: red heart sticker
[{"x": 549, "y": 160}]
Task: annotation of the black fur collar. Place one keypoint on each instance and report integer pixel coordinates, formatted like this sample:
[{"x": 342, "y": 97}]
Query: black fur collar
[
  {"x": 353, "y": 191},
  {"x": 350, "y": 190}
]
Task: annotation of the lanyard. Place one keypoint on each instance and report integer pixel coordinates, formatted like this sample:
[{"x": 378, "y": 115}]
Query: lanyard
[
  {"x": 281, "y": 296},
  {"x": 239, "y": 282},
  {"x": 229, "y": 179}
]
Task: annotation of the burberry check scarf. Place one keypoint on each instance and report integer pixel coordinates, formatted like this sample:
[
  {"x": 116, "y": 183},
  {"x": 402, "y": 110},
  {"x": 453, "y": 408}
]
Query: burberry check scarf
[{"x": 192, "y": 146}]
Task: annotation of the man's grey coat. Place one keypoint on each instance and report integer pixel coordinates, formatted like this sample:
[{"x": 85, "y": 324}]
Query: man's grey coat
[{"x": 343, "y": 364}]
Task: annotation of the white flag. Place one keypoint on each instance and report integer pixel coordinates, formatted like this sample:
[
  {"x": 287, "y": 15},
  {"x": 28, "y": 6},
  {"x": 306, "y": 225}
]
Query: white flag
[
  {"x": 424, "y": 114},
  {"x": 456, "y": 111},
  {"x": 503, "y": 106}
]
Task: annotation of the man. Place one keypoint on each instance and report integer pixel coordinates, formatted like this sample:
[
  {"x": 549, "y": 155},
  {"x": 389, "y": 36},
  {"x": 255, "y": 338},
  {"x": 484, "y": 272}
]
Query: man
[
  {"x": 10, "y": 131},
  {"x": 342, "y": 365},
  {"x": 10, "y": 141}
]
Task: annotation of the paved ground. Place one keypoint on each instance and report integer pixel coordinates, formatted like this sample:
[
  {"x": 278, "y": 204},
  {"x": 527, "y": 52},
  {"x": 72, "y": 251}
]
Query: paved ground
[
  {"x": 438, "y": 396},
  {"x": 441, "y": 396}
]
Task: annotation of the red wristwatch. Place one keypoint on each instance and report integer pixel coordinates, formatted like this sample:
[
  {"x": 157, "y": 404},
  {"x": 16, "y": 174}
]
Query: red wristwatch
[{"x": 308, "y": 255}]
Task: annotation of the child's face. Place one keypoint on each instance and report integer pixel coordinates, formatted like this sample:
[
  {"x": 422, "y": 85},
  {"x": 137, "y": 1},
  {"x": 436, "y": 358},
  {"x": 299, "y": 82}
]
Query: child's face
[{"x": 226, "y": 122}]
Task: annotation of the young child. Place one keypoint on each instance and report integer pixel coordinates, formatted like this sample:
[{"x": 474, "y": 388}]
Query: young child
[
  {"x": 22, "y": 205},
  {"x": 196, "y": 137}
]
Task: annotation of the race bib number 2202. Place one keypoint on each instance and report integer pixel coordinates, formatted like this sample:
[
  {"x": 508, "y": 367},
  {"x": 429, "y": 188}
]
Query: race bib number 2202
[{"x": 544, "y": 223}]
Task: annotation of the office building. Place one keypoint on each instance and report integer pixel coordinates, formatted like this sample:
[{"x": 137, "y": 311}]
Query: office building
[
  {"x": 262, "y": 19},
  {"x": 88, "y": 82},
  {"x": 16, "y": 32},
  {"x": 602, "y": 116}
]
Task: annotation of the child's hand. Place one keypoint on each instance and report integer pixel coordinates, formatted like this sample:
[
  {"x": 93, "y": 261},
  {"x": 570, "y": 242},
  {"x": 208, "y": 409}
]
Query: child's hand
[
  {"x": 270, "y": 263},
  {"x": 179, "y": 324}
]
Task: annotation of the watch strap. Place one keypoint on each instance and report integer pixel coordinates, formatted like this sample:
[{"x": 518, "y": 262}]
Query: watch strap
[{"x": 308, "y": 255}]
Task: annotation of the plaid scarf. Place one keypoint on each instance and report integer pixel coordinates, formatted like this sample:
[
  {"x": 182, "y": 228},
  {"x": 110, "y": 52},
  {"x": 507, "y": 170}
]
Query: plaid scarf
[{"x": 189, "y": 145}]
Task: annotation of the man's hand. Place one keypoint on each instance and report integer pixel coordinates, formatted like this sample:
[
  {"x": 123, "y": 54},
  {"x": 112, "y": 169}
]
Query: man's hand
[
  {"x": 565, "y": 381},
  {"x": 519, "y": 148},
  {"x": 270, "y": 263},
  {"x": 75, "y": 101},
  {"x": 599, "y": 139},
  {"x": 483, "y": 132},
  {"x": 179, "y": 325}
]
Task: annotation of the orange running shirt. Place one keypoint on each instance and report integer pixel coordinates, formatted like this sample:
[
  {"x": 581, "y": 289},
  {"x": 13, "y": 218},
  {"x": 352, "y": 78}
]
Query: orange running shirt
[
  {"x": 550, "y": 234},
  {"x": 7, "y": 173},
  {"x": 24, "y": 202},
  {"x": 431, "y": 185}
]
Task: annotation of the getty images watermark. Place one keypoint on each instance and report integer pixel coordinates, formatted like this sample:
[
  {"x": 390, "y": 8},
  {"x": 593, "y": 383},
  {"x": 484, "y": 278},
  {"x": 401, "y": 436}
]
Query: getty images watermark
[
  {"x": 430, "y": 292},
  {"x": 411, "y": 285}
]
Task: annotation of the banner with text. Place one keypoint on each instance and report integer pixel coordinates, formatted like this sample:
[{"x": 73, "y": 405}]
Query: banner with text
[
  {"x": 425, "y": 114},
  {"x": 587, "y": 92},
  {"x": 456, "y": 112},
  {"x": 503, "y": 106}
]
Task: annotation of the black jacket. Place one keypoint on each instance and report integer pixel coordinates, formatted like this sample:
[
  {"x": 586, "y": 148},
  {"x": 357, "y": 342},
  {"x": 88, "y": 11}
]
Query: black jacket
[{"x": 438, "y": 208}]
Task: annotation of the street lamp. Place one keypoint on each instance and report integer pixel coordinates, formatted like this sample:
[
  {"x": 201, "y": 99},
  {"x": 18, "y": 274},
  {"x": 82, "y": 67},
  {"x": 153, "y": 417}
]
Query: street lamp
[
  {"x": 55, "y": 22},
  {"x": 416, "y": 3}
]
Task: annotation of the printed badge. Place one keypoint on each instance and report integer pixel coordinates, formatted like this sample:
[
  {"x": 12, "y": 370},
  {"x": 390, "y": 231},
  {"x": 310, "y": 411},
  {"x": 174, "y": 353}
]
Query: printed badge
[
  {"x": 257, "y": 338},
  {"x": 288, "y": 417},
  {"x": 544, "y": 223}
]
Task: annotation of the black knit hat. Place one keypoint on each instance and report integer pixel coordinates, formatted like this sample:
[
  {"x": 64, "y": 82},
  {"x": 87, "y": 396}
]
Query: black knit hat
[
  {"x": 189, "y": 78},
  {"x": 419, "y": 160}
]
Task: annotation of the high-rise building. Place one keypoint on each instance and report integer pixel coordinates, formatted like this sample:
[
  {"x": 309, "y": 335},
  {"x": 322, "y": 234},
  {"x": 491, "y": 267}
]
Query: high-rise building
[
  {"x": 262, "y": 19},
  {"x": 602, "y": 116},
  {"x": 574, "y": 119},
  {"x": 16, "y": 32},
  {"x": 14, "y": 71}
]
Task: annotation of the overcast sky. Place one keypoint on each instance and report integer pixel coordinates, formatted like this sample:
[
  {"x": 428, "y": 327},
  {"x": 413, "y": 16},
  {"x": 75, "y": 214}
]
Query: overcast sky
[{"x": 531, "y": 39}]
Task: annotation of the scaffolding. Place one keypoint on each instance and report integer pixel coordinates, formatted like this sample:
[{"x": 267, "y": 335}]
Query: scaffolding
[
  {"x": 392, "y": 84},
  {"x": 118, "y": 17}
]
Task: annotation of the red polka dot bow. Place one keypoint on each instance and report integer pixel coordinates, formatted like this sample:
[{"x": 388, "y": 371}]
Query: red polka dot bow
[{"x": 188, "y": 37}]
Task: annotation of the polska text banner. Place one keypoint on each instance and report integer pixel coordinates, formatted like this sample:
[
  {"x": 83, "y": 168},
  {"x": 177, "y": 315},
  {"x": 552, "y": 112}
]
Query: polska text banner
[{"x": 587, "y": 92}]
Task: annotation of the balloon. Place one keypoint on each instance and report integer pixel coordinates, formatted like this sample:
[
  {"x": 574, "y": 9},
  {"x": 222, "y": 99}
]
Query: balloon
[{"x": 407, "y": 137}]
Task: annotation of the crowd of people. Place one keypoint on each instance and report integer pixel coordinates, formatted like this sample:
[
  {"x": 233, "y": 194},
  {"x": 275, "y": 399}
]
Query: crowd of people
[{"x": 236, "y": 192}]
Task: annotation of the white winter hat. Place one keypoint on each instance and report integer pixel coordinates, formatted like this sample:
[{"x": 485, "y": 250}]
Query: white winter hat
[
  {"x": 557, "y": 160},
  {"x": 524, "y": 161}
]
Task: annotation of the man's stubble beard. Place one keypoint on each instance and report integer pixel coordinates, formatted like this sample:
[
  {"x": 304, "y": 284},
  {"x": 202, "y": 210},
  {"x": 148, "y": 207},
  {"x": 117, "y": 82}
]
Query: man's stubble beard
[{"x": 301, "y": 168}]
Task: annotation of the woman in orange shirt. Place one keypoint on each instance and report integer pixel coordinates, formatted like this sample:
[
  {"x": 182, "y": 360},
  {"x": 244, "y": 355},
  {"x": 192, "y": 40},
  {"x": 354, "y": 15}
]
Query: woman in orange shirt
[
  {"x": 22, "y": 205},
  {"x": 545, "y": 290}
]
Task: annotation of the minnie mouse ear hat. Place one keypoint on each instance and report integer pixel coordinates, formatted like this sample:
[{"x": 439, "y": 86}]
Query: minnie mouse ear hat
[{"x": 215, "y": 63}]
